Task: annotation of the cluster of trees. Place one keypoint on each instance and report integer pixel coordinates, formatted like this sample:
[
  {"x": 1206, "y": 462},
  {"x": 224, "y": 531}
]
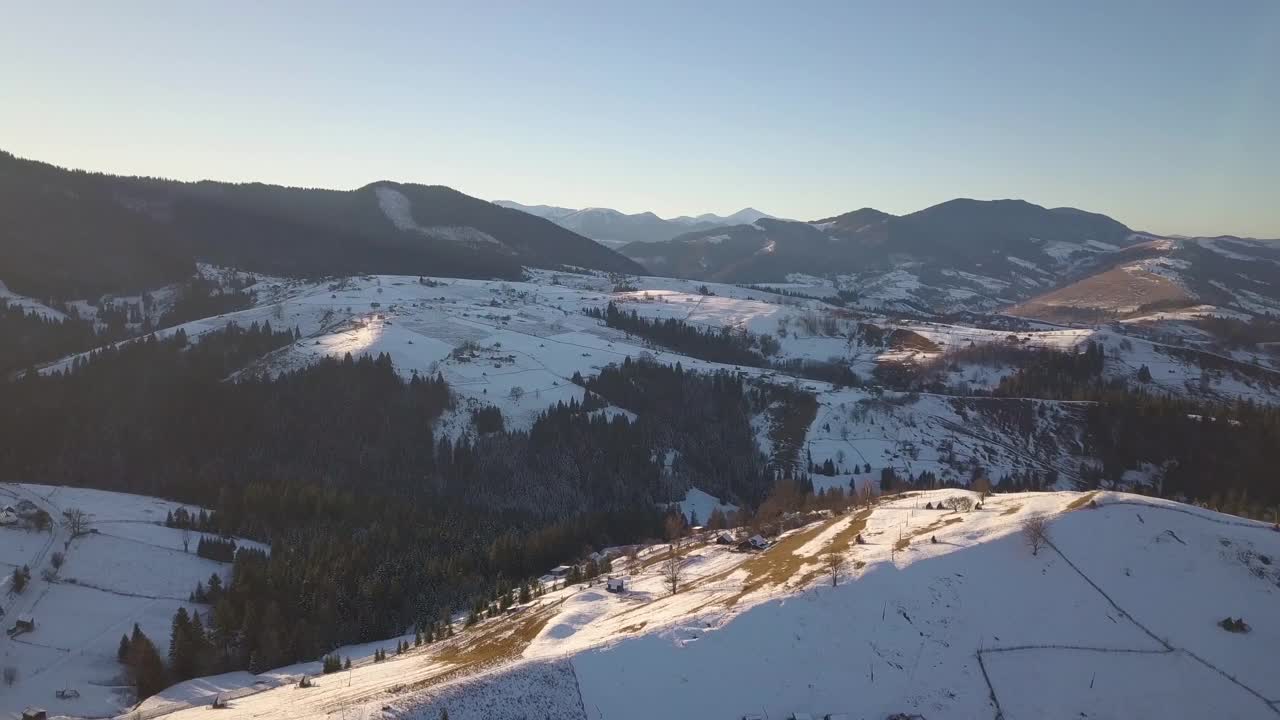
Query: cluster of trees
[
  {"x": 722, "y": 345},
  {"x": 1219, "y": 453},
  {"x": 1241, "y": 333},
  {"x": 32, "y": 338},
  {"x": 183, "y": 518},
  {"x": 702, "y": 422},
  {"x": 376, "y": 525},
  {"x": 1056, "y": 375},
  {"x": 219, "y": 549},
  {"x": 201, "y": 297},
  {"x": 146, "y": 669}
]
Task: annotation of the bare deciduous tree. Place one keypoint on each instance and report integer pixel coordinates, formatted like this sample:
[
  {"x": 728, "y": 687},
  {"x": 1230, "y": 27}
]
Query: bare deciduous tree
[
  {"x": 1035, "y": 531},
  {"x": 10, "y": 675},
  {"x": 960, "y": 503},
  {"x": 835, "y": 564},
  {"x": 673, "y": 566},
  {"x": 76, "y": 522},
  {"x": 186, "y": 539}
]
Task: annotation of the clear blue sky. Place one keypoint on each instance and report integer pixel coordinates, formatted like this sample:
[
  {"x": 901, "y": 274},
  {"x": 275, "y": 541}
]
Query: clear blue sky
[{"x": 1164, "y": 114}]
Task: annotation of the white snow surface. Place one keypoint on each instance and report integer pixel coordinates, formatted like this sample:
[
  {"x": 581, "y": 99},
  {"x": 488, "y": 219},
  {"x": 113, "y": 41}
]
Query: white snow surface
[
  {"x": 1116, "y": 619},
  {"x": 131, "y": 570}
]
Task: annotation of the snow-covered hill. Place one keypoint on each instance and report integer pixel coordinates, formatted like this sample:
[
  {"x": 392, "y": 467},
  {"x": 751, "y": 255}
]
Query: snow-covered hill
[
  {"x": 939, "y": 613},
  {"x": 905, "y": 636},
  {"x": 128, "y": 569},
  {"x": 516, "y": 346}
]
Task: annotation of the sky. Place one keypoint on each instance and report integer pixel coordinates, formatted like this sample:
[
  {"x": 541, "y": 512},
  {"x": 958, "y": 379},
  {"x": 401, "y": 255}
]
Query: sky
[{"x": 1163, "y": 114}]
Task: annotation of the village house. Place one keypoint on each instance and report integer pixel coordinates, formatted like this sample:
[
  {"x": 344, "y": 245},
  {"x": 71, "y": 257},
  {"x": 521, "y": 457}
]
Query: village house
[{"x": 23, "y": 624}]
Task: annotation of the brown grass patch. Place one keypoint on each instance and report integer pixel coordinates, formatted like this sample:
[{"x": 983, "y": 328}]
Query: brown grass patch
[
  {"x": 904, "y": 542},
  {"x": 779, "y": 565},
  {"x": 660, "y": 557},
  {"x": 1081, "y": 501},
  {"x": 633, "y": 628},
  {"x": 1117, "y": 292},
  {"x": 501, "y": 640},
  {"x": 1011, "y": 509},
  {"x": 903, "y": 339}
]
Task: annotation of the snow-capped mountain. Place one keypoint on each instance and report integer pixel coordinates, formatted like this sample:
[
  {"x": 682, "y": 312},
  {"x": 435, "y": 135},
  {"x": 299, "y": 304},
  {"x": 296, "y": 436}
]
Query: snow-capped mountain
[
  {"x": 745, "y": 216},
  {"x": 550, "y": 212},
  {"x": 614, "y": 228}
]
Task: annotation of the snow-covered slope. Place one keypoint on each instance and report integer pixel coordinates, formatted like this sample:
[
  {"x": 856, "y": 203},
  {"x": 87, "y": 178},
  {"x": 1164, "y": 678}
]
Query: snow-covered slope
[
  {"x": 129, "y": 569},
  {"x": 938, "y": 613}
]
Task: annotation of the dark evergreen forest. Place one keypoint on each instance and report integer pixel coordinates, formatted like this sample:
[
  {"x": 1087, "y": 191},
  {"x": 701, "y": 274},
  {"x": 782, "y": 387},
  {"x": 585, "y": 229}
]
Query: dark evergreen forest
[{"x": 376, "y": 525}]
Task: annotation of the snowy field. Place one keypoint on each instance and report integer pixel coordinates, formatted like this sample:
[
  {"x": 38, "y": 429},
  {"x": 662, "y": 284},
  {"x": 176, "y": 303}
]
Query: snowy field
[
  {"x": 131, "y": 570},
  {"x": 1116, "y": 619}
]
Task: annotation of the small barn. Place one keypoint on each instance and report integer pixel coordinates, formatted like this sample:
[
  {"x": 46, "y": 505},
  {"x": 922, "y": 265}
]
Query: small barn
[
  {"x": 34, "y": 713},
  {"x": 758, "y": 542},
  {"x": 23, "y": 624},
  {"x": 616, "y": 584},
  {"x": 724, "y": 538},
  {"x": 560, "y": 571}
]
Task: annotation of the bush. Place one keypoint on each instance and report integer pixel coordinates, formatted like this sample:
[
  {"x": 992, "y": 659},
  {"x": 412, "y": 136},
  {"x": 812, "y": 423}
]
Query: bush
[
  {"x": 10, "y": 675},
  {"x": 1237, "y": 625},
  {"x": 57, "y": 559}
]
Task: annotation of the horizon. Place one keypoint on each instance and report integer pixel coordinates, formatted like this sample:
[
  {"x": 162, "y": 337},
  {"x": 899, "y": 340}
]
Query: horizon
[
  {"x": 1161, "y": 116},
  {"x": 669, "y": 217}
]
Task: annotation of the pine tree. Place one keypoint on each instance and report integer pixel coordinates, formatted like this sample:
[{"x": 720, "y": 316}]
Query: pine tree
[
  {"x": 122, "y": 654},
  {"x": 181, "y": 652},
  {"x": 145, "y": 667}
]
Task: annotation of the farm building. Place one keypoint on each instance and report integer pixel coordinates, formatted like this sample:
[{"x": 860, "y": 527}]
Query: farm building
[
  {"x": 616, "y": 585},
  {"x": 34, "y": 713},
  {"x": 24, "y": 623}
]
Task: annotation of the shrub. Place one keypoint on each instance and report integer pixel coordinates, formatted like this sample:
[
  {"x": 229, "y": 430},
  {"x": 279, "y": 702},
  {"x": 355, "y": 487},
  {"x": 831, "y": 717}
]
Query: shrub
[{"x": 1237, "y": 625}]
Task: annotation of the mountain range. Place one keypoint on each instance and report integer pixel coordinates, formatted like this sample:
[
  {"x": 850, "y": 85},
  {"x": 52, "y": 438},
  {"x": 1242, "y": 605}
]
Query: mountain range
[
  {"x": 75, "y": 234},
  {"x": 614, "y": 228}
]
